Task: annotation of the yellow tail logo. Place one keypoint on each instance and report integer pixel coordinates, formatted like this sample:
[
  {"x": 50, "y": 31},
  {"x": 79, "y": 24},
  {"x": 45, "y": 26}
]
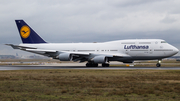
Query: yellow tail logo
[{"x": 25, "y": 31}]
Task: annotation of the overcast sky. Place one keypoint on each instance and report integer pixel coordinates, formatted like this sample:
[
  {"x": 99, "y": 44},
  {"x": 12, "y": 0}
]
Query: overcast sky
[{"x": 59, "y": 21}]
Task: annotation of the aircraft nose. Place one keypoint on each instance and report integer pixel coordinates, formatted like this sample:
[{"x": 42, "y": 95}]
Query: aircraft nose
[{"x": 175, "y": 50}]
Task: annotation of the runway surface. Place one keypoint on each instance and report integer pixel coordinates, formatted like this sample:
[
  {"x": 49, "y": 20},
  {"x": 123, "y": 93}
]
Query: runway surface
[{"x": 81, "y": 67}]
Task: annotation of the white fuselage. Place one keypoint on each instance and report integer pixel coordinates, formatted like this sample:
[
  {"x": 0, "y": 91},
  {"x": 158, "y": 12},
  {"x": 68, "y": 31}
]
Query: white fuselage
[{"x": 137, "y": 49}]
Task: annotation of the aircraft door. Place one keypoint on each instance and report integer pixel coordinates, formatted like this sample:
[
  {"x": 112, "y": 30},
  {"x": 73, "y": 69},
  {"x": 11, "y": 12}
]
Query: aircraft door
[
  {"x": 151, "y": 50},
  {"x": 127, "y": 51},
  {"x": 97, "y": 50}
]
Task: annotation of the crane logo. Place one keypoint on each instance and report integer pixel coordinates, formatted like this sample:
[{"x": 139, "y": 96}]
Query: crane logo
[{"x": 25, "y": 31}]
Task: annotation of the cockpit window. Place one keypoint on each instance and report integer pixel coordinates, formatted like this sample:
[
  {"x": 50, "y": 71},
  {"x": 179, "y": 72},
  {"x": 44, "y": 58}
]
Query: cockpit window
[{"x": 163, "y": 42}]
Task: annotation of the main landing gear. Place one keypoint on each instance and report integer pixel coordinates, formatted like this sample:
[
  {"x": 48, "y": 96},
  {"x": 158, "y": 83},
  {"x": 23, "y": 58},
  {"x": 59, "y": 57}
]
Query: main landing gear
[
  {"x": 158, "y": 64},
  {"x": 105, "y": 65},
  {"x": 92, "y": 64}
]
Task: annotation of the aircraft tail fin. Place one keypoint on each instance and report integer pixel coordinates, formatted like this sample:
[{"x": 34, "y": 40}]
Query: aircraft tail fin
[{"x": 28, "y": 35}]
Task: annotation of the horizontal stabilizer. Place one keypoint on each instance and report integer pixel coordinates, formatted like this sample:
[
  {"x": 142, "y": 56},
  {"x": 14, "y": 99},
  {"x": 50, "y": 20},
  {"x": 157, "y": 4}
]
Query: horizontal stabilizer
[{"x": 19, "y": 47}]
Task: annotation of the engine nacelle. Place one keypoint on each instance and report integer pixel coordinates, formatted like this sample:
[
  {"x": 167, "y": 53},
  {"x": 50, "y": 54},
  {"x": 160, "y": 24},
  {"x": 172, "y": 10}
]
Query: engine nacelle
[
  {"x": 65, "y": 57},
  {"x": 99, "y": 59}
]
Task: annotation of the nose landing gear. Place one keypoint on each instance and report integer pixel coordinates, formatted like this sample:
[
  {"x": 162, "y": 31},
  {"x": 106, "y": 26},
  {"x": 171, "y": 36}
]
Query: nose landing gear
[{"x": 159, "y": 63}]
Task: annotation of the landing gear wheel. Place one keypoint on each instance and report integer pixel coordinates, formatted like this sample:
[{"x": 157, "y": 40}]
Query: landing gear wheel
[
  {"x": 105, "y": 65},
  {"x": 91, "y": 65},
  {"x": 88, "y": 65},
  {"x": 95, "y": 65},
  {"x": 158, "y": 65}
]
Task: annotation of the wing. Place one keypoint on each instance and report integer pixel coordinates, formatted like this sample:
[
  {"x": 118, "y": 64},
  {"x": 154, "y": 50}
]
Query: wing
[
  {"x": 50, "y": 53},
  {"x": 76, "y": 56}
]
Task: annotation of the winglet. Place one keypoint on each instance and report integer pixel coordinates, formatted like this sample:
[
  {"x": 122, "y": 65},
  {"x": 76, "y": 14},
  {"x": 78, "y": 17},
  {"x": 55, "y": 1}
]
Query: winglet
[{"x": 28, "y": 35}]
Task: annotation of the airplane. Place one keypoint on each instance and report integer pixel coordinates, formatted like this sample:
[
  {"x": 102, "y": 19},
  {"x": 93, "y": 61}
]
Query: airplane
[{"x": 126, "y": 51}]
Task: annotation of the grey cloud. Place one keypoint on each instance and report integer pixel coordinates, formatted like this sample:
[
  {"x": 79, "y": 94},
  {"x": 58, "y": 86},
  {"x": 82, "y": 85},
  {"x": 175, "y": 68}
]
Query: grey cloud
[
  {"x": 168, "y": 20},
  {"x": 127, "y": 3}
]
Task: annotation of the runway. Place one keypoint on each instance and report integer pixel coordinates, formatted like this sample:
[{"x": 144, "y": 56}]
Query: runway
[{"x": 81, "y": 67}]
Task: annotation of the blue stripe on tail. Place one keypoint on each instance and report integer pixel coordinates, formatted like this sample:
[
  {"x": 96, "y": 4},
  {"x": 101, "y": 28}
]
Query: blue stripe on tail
[{"x": 28, "y": 35}]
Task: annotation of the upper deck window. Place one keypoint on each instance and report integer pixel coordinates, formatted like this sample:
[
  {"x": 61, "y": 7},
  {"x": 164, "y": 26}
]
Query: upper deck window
[
  {"x": 144, "y": 42},
  {"x": 128, "y": 43},
  {"x": 163, "y": 42}
]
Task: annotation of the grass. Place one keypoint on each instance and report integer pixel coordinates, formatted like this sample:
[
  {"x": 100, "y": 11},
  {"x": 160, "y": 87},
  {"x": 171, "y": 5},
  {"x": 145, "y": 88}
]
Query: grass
[{"x": 91, "y": 85}]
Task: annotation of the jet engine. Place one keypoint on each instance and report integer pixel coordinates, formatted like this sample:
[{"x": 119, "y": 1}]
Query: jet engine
[
  {"x": 65, "y": 57},
  {"x": 99, "y": 59}
]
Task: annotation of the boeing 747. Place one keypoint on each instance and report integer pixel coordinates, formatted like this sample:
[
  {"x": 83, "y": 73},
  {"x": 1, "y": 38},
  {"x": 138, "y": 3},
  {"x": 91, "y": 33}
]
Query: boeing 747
[{"x": 126, "y": 51}]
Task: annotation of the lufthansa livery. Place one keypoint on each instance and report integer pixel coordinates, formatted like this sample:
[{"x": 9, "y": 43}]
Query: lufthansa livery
[{"x": 126, "y": 51}]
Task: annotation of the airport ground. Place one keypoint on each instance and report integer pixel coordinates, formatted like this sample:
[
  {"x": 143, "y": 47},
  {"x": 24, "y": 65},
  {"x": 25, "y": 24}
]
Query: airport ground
[
  {"x": 52, "y": 62},
  {"x": 90, "y": 84}
]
